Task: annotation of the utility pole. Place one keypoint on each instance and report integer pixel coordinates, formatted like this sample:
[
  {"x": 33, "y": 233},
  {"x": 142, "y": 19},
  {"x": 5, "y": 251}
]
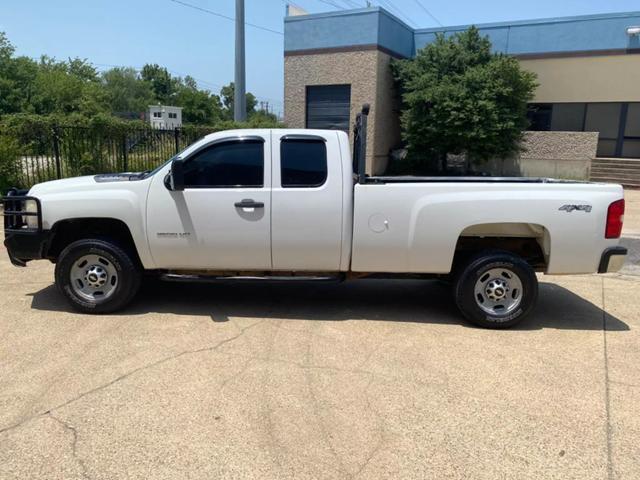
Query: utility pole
[{"x": 239, "y": 98}]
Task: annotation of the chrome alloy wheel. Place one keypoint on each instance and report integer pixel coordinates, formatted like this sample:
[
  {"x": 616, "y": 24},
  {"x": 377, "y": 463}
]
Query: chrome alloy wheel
[
  {"x": 498, "y": 291},
  {"x": 93, "y": 278}
]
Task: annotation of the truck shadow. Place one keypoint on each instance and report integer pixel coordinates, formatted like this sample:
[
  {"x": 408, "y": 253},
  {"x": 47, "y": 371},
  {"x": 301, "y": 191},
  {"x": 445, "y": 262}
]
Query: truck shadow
[{"x": 368, "y": 300}]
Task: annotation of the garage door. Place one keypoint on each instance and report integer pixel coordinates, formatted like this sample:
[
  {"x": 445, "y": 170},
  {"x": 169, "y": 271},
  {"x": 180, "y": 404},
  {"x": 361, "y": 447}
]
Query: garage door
[{"x": 328, "y": 107}]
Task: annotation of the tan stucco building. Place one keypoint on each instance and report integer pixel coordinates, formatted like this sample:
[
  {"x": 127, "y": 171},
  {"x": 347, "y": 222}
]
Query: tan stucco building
[{"x": 588, "y": 68}]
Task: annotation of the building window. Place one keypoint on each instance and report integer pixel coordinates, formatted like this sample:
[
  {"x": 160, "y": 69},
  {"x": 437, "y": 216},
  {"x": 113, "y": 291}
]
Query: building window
[
  {"x": 157, "y": 114},
  {"x": 568, "y": 117},
  {"x": 233, "y": 164},
  {"x": 618, "y": 124},
  {"x": 303, "y": 163},
  {"x": 604, "y": 118},
  {"x": 631, "y": 141},
  {"x": 328, "y": 107},
  {"x": 539, "y": 115},
  {"x": 173, "y": 115}
]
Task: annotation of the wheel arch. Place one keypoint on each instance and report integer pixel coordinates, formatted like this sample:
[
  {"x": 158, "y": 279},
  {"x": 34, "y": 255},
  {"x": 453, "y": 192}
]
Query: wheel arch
[
  {"x": 64, "y": 232},
  {"x": 531, "y": 241}
]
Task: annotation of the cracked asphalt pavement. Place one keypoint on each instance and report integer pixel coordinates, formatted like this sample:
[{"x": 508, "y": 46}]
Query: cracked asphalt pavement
[{"x": 369, "y": 379}]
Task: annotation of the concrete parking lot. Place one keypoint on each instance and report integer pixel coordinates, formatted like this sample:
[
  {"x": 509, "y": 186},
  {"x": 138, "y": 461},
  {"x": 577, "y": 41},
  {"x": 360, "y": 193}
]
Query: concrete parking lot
[{"x": 370, "y": 379}]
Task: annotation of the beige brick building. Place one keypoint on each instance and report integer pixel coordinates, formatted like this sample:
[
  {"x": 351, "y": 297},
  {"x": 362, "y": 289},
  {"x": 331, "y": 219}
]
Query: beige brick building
[{"x": 588, "y": 69}]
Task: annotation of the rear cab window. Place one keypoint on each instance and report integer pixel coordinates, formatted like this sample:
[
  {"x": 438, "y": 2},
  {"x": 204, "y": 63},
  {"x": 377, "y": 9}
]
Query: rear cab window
[{"x": 303, "y": 162}]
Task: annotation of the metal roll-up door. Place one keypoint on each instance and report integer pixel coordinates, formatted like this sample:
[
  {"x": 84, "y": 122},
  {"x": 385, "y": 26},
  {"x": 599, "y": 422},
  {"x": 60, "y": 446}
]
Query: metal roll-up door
[{"x": 328, "y": 107}]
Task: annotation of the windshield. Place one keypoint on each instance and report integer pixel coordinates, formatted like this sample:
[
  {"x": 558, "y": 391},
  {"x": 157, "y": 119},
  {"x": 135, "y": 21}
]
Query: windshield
[{"x": 149, "y": 173}]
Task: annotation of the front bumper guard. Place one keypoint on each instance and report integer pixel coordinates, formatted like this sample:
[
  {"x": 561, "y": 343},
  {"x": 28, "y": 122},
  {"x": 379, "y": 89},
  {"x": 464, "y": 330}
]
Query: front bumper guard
[{"x": 23, "y": 242}]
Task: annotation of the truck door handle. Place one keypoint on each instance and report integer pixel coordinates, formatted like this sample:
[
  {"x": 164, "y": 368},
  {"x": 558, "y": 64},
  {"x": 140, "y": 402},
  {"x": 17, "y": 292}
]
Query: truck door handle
[{"x": 249, "y": 203}]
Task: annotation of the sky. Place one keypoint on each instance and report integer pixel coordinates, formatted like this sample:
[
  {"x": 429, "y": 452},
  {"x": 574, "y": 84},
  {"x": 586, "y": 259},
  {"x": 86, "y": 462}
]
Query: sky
[{"x": 191, "y": 42}]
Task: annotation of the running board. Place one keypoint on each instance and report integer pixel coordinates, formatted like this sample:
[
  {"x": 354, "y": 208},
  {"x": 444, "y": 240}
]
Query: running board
[{"x": 174, "y": 277}]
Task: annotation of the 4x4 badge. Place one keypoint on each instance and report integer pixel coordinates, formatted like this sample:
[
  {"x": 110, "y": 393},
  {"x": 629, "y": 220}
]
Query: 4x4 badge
[{"x": 579, "y": 208}]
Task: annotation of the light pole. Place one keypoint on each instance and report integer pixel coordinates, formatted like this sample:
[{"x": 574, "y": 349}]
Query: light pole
[{"x": 239, "y": 99}]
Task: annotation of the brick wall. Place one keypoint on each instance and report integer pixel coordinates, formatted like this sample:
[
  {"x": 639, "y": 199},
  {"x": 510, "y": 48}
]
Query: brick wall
[{"x": 370, "y": 78}]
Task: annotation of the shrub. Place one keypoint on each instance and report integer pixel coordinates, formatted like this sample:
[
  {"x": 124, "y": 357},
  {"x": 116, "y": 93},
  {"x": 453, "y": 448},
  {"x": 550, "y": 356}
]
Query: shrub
[
  {"x": 9, "y": 155},
  {"x": 460, "y": 98}
]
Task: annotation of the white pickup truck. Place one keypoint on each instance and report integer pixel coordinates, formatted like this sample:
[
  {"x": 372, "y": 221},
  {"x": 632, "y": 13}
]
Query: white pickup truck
[{"x": 293, "y": 205}]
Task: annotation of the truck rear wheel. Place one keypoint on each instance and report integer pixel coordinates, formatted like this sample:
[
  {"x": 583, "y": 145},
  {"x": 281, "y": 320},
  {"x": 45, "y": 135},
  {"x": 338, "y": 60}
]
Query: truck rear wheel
[
  {"x": 496, "y": 290},
  {"x": 97, "y": 276}
]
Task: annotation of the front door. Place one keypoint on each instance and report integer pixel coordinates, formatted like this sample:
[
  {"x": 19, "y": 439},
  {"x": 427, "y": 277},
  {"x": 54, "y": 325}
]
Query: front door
[{"x": 222, "y": 219}]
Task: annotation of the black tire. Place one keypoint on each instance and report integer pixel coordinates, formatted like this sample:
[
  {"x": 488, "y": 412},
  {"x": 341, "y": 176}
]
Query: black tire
[
  {"x": 476, "y": 272},
  {"x": 128, "y": 275}
]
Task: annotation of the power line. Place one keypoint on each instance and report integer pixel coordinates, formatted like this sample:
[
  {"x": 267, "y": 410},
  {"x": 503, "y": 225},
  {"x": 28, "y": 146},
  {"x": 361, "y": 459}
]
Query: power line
[
  {"x": 392, "y": 7},
  {"x": 211, "y": 12},
  {"x": 350, "y": 3},
  {"x": 333, "y": 4},
  {"x": 428, "y": 12},
  {"x": 327, "y": 2},
  {"x": 400, "y": 13}
]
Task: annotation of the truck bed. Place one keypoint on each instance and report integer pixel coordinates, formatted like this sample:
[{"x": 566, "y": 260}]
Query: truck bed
[
  {"x": 453, "y": 179},
  {"x": 413, "y": 224}
]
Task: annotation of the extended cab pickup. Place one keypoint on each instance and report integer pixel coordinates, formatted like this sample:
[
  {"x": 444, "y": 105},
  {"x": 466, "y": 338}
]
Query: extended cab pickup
[{"x": 293, "y": 204}]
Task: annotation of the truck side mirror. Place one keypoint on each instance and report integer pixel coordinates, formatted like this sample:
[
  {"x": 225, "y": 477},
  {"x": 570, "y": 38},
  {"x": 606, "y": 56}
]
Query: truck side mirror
[{"x": 177, "y": 175}]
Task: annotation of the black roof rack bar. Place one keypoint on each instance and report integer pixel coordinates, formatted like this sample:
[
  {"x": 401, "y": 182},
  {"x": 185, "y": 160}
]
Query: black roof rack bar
[{"x": 360, "y": 144}]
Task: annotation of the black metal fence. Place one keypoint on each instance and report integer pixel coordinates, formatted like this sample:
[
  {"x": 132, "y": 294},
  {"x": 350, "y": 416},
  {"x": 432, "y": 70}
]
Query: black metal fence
[{"x": 63, "y": 151}]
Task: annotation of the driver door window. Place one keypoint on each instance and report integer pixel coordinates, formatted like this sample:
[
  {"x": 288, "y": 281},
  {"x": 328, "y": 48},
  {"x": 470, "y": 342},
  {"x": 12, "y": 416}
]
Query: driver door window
[{"x": 233, "y": 164}]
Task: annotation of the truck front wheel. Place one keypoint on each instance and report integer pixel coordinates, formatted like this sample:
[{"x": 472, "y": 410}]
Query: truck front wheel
[
  {"x": 496, "y": 290},
  {"x": 97, "y": 276}
]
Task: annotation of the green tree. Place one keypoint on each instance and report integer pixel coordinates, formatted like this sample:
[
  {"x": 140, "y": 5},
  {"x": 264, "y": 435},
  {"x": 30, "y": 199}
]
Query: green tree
[
  {"x": 199, "y": 107},
  {"x": 67, "y": 87},
  {"x": 126, "y": 91},
  {"x": 459, "y": 97},
  {"x": 73, "y": 90},
  {"x": 47, "y": 86},
  {"x": 17, "y": 85},
  {"x": 16, "y": 79},
  {"x": 6, "y": 48},
  {"x": 164, "y": 86},
  {"x": 227, "y": 93},
  {"x": 81, "y": 69},
  {"x": 263, "y": 116}
]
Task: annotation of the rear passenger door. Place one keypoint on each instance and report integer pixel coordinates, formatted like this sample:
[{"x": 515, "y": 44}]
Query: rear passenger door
[{"x": 306, "y": 199}]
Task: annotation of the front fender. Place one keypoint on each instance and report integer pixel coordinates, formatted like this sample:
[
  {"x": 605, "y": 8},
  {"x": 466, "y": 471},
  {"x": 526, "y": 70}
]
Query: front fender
[{"x": 125, "y": 205}]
